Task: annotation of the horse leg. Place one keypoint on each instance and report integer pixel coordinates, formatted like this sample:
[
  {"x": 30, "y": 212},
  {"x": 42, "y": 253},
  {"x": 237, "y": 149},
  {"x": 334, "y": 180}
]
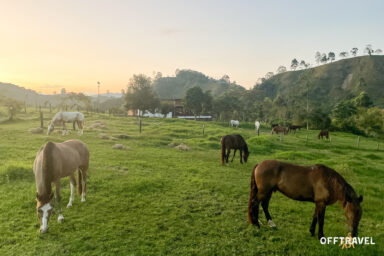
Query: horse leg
[
  {"x": 241, "y": 156},
  {"x": 83, "y": 183},
  {"x": 72, "y": 183},
  {"x": 58, "y": 199},
  {"x": 320, "y": 207},
  {"x": 312, "y": 229},
  {"x": 227, "y": 156},
  {"x": 74, "y": 126},
  {"x": 265, "y": 204},
  {"x": 80, "y": 125},
  {"x": 65, "y": 129},
  {"x": 234, "y": 153}
]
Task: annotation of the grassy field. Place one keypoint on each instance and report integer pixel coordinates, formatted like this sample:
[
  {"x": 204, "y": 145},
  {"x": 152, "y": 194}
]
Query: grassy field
[{"x": 156, "y": 200}]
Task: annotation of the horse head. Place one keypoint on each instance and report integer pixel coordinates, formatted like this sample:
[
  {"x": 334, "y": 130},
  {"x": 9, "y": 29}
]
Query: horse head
[
  {"x": 353, "y": 211},
  {"x": 44, "y": 209},
  {"x": 51, "y": 127}
]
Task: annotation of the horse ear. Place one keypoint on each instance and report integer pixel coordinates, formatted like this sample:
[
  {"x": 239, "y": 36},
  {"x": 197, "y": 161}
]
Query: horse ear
[{"x": 360, "y": 198}]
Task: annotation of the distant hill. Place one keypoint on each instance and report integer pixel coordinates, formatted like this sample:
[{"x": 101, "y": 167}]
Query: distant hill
[
  {"x": 176, "y": 87},
  {"x": 330, "y": 83}
]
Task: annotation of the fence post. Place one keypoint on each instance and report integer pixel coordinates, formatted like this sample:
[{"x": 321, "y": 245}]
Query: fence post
[
  {"x": 41, "y": 119},
  {"x": 203, "y": 128},
  {"x": 358, "y": 141},
  {"x": 258, "y": 132},
  {"x": 330, "y": 140},
  {"x": 140, "y": 124}
]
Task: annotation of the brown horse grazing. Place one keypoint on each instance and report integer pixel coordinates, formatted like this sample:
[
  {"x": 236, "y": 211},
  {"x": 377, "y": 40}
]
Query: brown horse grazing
[
  {"x": 323, "y": 133},
  {"x": 235, "y": 142},
  {"x": 279, "y": 129},
  {"x": 318, "y": 184},
  {"x": 294, "y": 128},
  {"x": 53, "y": 162}
]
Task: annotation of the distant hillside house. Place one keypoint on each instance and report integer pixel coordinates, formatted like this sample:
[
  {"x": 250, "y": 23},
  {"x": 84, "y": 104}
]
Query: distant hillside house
[{"x": 178, "y": 110}]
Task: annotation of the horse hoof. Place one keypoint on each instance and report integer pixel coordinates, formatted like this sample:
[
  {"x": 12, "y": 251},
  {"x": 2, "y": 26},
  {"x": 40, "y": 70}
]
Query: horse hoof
[
  {"x": 271, "y": 224},
  {"x": 60, "y": 219},
  {"x": 82, "y": 200},
  {"x": 69, "y": 205}
]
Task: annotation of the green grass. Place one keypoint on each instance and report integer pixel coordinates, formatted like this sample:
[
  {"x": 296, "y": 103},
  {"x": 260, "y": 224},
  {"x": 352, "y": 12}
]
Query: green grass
[{"x": 154, "y": 199}]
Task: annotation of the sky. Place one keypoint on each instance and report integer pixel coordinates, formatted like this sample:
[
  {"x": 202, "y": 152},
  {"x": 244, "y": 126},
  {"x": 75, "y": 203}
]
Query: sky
[{"x": 72, "y": 44}]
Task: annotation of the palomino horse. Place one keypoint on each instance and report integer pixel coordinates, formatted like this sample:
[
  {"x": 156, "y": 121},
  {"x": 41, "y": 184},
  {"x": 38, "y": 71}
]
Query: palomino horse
[
  {"x": 67, "y": 117},
  {"x": 53, "y": 162},
  {"x": 317, "y": 183},
  {"x": 323, "y": 133},
  {"x": 279, "y": 129},
  {"x": 235, "y": 142},
  {"x": 234, "y": 123}
]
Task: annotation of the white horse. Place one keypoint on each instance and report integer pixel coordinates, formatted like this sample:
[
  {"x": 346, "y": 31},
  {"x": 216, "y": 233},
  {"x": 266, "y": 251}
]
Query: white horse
[
  {"x": 257, "y": 125},
  {"x": 67, "y": 117},
  {"x": 234, "y": 123}
]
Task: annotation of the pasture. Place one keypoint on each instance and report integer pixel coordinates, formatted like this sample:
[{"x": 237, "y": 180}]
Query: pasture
[{"x": 152, "y": 199}]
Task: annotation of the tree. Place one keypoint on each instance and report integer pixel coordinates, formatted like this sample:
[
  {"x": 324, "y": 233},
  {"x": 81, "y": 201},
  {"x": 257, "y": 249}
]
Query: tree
[
  {"x": 343, "y": 54},
  {"x": 13, "y": 106},
  {"x": 294, "y": 64},
  {"x": 269, "y": 75},
  {"x": 318, "y": 57},
  {"x": 354, "y": 51},
  {"x": 140, "y": 94},
  {"x": 324, "y": 58},
  {"x": 281, "y": 69},
  {"x": 226, "y": 79},
  {"x": 331, "y": 56},
  {"x": 368, "y": 49},
  {"x": 344, "y": 109},
  {"x": 378, "y": 51},
  {"x": 193, "y": 101},
  {"x": 165, "y": 108},
  {"x": 319, "y": 119},
  {"x": 303, "y": 64},
  {"x": 363, "y": 100}
]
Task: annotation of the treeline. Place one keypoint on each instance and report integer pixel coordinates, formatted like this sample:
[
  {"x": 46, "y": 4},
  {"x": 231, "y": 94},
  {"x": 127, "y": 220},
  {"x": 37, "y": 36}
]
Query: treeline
[
  {"x": 357, "y": 114},
  {"x": 321, "y": 58}
]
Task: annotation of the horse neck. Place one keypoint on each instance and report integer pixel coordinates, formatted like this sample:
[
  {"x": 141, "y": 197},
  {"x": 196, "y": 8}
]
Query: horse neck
[{"x": 44, "y": 188}]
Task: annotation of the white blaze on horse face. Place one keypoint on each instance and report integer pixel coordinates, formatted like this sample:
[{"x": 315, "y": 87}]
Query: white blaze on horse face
[{"x": 45, "y": 209}]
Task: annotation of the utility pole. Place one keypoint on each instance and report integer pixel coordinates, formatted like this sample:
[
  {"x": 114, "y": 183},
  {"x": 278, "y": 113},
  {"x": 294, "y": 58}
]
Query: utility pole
[{"x": 98, "y": 95}]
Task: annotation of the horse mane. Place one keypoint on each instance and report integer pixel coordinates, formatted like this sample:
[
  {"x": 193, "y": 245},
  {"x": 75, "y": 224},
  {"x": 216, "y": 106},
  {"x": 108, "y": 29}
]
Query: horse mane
[
  {"x": 46, "y": 174},
  {"x": 332, "y": 179}
]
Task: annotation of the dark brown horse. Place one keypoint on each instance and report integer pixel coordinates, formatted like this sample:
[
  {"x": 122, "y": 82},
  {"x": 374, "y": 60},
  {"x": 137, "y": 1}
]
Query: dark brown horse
[
  {"x": 323, "y": 133},
  {"x": 279, "y": 129},
  {"x": 235, "y": 142},
  {"x": 294, "y": 128},
  {"x": 318, "y": 184}
]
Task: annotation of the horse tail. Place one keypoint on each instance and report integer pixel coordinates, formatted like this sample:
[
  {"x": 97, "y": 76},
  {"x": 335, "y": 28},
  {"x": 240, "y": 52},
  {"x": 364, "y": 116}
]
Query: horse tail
[
  {"x": 253, "y": 204},
  {"x": 222, "y": 150},
  {"x": 80, "y": 183}
]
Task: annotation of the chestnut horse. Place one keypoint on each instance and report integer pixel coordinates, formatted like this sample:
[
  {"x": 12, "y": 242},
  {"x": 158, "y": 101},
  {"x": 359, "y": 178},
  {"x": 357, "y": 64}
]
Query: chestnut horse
[
  {"x": 53, "y": 162},
  {"x": 323, "y": 133},
  {"x": 279, "y": 129},
  {"x": 317, "y": 183},
  {"x": 235, "y": 142}
]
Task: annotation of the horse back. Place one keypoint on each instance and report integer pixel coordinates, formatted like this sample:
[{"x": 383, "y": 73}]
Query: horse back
[
  {"x": 303, "y": 183},
  {"x": 70, "y": 156}
]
